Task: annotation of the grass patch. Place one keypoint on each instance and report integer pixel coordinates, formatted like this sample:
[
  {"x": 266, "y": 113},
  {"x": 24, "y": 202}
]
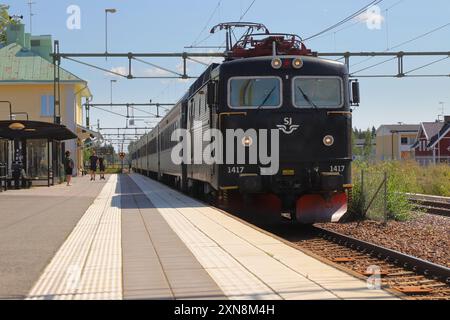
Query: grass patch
[{"x": 402, "y": 177}]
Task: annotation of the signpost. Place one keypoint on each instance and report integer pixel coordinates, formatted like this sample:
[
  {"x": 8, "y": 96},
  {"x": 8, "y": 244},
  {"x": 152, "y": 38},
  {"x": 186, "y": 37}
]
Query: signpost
[{"x": 122, "y": 157}]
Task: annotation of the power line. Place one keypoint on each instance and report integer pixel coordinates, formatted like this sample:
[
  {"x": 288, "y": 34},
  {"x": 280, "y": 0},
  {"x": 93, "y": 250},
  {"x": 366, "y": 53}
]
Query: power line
[
  {"x": 375, "y": 65},
  {"x": 343, "y": 21},
  {"x": 247, "y": 10},
  {"x": 194, "y": 43},
  {"x": 240, "y": 19},
  {"x": 422, "y": 35},
  {"x": 427, "y": 65},
  {"x": 402, "y": 44}
]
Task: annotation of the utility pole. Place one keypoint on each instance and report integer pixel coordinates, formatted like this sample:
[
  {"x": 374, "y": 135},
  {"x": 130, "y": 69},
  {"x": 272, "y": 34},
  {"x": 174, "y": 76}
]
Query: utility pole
[
  {"x": 112, "y": 81},
  {"x": 442, "y": 110},
  {"x": 439, "y": 133},
  {"x": 30, "y": 5}
]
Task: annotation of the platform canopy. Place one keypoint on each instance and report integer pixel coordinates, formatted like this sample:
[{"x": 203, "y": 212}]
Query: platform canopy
[{"x": 15, "y": 129}]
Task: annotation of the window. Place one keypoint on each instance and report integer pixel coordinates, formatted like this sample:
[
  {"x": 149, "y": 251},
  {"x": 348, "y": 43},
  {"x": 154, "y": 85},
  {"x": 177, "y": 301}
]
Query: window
[
  {"x": 255, "y": 92},
  {"x": 37, "y": 158},
  {"x": 323, "y": 92},
  {"x": 404, "y": 140},
  {"x": 47, "y": 106}
]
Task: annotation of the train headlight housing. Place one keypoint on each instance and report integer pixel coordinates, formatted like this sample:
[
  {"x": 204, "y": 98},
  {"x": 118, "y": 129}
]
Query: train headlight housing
[
  {"x": 247, "y": 141},
  {"x": 328, "y": 140},
  {"x": 276, "y": 63},
  {"x": 297, "y": 63}
]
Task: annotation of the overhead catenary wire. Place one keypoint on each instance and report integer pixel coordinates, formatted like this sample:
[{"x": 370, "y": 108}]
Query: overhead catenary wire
[
  {"x": 373, "y": 66},
  {"x": 427, "y": 65},
  {"x": 358, "y": 22},
  {"x": 345, "y": 20},
  {"x": 195, "y": 43},
  {"x": 240, "y": 19},
  {"x": 247, "y": 10},
  {"x": 125, "y": 116},
  {"x": 404, "y": 43}
]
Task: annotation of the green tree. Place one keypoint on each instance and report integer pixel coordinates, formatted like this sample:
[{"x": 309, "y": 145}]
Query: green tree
[
  {"x": 355, "y": 149},
  {"x": 367, "y": 151},
  {"x": 4, "y": 22}
]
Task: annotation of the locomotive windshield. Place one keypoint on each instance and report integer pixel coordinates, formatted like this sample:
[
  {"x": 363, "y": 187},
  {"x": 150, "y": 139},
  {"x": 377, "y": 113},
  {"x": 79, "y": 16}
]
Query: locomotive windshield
[
  {"x": 255, "y": 92},
  {"x": 314, "y": 92}
]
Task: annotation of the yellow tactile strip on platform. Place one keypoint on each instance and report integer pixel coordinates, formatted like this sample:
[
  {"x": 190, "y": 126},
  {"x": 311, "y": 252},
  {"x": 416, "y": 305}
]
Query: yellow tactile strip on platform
[{"x": 89, "y": 263}]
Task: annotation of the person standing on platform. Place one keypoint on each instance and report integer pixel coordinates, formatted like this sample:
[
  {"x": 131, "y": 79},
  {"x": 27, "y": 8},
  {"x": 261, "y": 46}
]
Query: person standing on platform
[
  {"x": 68, "y": 168},
  {"x": 93, "y": 164},
  {"x": 101, "y": 164}
]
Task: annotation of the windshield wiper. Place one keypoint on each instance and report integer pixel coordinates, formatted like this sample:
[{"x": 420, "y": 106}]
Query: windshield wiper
[
  {"x": 305, "y": 96},
  {"x": 266, "y": 98}
]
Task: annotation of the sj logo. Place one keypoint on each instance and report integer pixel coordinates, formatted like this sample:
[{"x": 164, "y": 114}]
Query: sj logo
[{"x": 287, "y": 127}]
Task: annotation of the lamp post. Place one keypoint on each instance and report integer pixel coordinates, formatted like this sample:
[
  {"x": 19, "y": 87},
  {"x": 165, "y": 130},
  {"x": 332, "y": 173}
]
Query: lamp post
[{"x": 112, "y": 11}]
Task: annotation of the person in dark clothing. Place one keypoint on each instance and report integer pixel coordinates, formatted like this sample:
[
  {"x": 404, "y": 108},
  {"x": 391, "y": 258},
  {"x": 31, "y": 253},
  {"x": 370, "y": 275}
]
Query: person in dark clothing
[
  {"x": 68, "y": 168},
  {"x": 101, "y": 164},
  {"x": 93, "y": 164}
]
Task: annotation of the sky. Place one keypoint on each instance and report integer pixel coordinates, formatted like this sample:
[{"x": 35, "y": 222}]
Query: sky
[{"x": 171, "y": 25}]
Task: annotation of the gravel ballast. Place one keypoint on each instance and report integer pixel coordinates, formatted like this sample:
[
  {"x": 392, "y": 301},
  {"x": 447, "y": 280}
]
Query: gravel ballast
[{"x": 425, "y": 236}]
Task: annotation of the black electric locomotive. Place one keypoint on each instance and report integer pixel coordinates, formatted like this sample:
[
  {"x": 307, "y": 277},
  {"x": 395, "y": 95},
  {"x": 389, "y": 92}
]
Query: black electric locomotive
[{"x": 273, "y": 97}]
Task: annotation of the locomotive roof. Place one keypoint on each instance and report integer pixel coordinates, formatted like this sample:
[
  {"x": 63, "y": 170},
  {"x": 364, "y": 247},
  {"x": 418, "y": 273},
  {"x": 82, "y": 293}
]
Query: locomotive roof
[{"x": 309, "y": 61}]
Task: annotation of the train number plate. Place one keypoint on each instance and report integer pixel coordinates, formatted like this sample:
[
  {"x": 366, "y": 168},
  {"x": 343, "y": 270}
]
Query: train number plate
[
  {"x": 337, "y": 168},
  {"x": 235, "y": 170}
]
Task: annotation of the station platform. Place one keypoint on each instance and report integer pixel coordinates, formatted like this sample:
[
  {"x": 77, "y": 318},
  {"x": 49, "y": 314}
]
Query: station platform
[{"x": 139, "y": 239}]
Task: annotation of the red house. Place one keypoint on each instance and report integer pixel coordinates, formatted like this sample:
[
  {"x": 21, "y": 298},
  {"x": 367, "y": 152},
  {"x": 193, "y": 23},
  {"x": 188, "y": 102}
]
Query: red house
[{"x": 433, "y": 142}]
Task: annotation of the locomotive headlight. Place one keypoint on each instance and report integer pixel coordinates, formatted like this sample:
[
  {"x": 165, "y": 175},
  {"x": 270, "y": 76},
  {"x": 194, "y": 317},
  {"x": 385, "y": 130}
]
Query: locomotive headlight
[
  {"x": 276, "y": 63},
  {"x": 247, "y": 141},
  {"x": 328, "y": 140},
  {"x": 297, "y": 63}
]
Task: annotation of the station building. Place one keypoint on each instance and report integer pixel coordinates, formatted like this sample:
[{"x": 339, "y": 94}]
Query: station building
[{"x": 27, "y": 85}]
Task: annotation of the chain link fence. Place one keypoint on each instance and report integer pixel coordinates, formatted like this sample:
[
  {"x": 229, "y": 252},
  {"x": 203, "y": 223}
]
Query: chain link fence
[{"x": 370, "y": 196}]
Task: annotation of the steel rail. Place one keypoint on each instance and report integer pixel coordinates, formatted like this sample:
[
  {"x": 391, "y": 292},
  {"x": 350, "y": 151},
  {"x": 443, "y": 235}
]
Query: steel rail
[
  {"x": 431, "y": 204},
  {"x": 415, "y": 264}
]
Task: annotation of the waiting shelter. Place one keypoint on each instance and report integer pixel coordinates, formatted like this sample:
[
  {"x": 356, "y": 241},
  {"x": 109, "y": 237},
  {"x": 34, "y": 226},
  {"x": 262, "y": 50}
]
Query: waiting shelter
[{"x": 32, "y": 153}]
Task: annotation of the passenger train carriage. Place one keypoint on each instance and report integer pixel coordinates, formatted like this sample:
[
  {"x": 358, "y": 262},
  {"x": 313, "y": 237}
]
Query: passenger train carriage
[{"x": 273, "y": 82}]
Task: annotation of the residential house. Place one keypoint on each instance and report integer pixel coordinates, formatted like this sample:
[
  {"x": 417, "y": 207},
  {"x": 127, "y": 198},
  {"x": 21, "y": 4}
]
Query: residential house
[
  {"x": 433, "y": 142},
  {"x": 394, "y": 142}
]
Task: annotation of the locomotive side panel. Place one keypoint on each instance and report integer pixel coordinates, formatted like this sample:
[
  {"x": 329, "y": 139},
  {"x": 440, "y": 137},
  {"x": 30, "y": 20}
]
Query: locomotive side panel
[
  {"x": 170, "y": 123},
  {"x": 199, "y": 121}
]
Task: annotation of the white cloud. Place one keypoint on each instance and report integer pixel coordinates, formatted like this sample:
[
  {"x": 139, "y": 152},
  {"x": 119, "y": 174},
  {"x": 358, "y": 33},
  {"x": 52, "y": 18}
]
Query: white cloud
[
  {"x": 372, "y": 18},
  {"x": 120, "y": 70},
  {"x": 156, "y": 72}
]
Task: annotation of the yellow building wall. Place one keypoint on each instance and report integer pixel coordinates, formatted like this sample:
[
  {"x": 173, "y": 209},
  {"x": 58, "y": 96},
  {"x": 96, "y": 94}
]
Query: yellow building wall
[
  {"x": 384, "y": 149},
  {"x": 27, "y": 98}
]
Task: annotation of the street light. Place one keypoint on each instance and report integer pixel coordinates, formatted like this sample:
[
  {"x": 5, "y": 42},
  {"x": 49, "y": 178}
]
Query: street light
[{"x": 112, "y": 11}]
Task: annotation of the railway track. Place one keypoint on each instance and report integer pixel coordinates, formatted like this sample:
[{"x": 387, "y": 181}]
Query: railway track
[
  {"x": 409, "y": 277},
  {"x": 431, "y": 204}
]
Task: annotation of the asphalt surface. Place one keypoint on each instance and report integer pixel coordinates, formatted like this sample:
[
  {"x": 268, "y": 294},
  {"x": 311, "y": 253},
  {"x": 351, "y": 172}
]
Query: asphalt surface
[{"x": 34, "y": 224}]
